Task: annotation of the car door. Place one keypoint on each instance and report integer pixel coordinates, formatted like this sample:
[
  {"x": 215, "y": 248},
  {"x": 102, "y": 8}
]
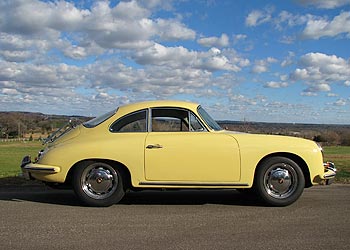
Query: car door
[{"x": 180, "y": 149}]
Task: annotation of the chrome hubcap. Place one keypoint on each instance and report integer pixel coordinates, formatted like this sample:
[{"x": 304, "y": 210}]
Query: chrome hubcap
[
  {"x": 280, "y": 181},
  {"x": 99, "y": 181}
]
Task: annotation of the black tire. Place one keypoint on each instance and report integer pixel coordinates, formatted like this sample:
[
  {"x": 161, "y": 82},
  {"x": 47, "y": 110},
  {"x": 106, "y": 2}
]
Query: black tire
[
  {"x": 279, "y": 181},
  {"x": 98, "y": 184}
]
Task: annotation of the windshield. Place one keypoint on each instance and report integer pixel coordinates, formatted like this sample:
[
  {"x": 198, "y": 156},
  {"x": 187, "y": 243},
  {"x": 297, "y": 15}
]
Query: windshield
[
  {"x": 98, "y": 120},
  {"x": 208, "y": 119}
]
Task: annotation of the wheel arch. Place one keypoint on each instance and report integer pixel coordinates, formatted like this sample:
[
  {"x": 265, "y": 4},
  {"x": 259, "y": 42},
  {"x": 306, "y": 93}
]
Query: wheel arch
[
  {"x": 121, "y": 167},
  {"x": 297, "y": 159}
]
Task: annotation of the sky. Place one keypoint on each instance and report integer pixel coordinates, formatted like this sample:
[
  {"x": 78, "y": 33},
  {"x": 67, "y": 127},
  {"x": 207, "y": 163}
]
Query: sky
[{"x": 242, "y": 60}]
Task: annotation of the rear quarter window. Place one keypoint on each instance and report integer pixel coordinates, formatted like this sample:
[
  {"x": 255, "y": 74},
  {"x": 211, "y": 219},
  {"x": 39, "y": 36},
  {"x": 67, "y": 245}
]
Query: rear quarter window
[{"x": 135, "y": 122}]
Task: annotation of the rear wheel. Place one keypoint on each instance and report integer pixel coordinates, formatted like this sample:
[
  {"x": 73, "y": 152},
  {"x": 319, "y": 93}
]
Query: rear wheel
[
  {"x": 98, "y": 184},
  {"x": 279, "y": 181}
]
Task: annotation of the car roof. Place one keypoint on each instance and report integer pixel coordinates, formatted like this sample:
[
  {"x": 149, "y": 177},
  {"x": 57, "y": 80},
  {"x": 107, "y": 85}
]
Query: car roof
[{"x": 161, "y": 103}]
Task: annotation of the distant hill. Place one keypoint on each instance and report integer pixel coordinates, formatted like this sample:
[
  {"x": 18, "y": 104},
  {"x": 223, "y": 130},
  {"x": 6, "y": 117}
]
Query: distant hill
[
  {"x": 24, "y": 124},
  {"x": 275, "y": 128},
  {"x": 37, "y": 125},
  {"x": 329, "y": 134}
]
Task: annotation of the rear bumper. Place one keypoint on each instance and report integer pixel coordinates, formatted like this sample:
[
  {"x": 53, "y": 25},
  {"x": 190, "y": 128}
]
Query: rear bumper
[{"x": 28, "y": 168}]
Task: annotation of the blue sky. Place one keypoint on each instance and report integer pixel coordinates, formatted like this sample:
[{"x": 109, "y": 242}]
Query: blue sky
[{"x": 271, "y": 61}]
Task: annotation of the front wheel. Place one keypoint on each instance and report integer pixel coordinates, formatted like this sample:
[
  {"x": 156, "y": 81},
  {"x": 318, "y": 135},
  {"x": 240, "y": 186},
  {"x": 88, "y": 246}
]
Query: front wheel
[
  {"x": 98, "y": 184},
  {"x": 279, "y": 181}
]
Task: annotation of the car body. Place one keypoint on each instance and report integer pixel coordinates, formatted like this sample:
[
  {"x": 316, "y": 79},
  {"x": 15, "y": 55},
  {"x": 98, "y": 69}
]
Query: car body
[{"x": 175, "y": 144}]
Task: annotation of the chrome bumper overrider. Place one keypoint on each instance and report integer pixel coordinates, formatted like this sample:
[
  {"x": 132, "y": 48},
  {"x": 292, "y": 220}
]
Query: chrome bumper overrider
[{"x": 330, "y": 172}]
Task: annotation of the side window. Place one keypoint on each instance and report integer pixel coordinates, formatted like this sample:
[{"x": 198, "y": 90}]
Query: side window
[
  {"x": 169, "y": 120},
  {"x": 196, "y": 125},
  {"x": 135, "y": 122}
]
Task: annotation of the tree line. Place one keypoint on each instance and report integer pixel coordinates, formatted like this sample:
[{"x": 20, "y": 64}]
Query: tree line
[
  {"x": 26, "y": 124},
  {"x": 326, "y": 134}
]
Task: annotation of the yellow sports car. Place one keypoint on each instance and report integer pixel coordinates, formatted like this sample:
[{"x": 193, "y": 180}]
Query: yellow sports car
[{"x": 173, "y": 144}]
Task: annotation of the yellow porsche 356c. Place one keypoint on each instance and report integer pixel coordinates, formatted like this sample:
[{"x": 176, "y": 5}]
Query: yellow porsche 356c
[{"x": 173, "y": 144}]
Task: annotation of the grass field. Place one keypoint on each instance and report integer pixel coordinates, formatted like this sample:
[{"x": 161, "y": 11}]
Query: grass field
[
  {"x": 341, "y": 157},
  {"x": 11, "y": 154}
]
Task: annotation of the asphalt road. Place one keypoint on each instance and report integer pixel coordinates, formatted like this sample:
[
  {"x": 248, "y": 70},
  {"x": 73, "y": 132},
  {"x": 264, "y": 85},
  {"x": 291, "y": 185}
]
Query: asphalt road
[{"x": 34, "y": 218}]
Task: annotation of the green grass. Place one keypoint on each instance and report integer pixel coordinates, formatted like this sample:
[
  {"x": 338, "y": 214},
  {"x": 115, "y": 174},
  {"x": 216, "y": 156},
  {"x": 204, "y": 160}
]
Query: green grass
[
  {"x": 341, "y": 158},
  {"x": 337, "y": 150},
  {"x": 11, "y": 154}
]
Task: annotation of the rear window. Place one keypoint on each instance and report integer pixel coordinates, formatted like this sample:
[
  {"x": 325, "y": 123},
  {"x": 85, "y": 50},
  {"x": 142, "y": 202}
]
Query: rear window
[{"x": 98, "y": 120}]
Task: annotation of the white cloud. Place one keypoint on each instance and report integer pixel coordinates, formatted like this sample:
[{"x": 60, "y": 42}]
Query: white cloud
[
  {"x": 239, "y": 37},
  {"x": 34, "y": 17},
  {"x": 124, "y": 55},
  {"x": 317, "y": 28},
  {"x": 173, "y": 30},
  {"x": 308, "y": 93},
  {"x": 128, "y": 25},
  {"x": 16, "y": 56},
  {"x": 240, "y": 101},
  {"x": 340, "y": 102},
  {"x": 324, "y": 4},
  {"x": 319, "y": 71},
  {"x": 106, "y": 81},
  {"x": 180, "y": 57},
  {"x": 130, "y": 10},
  {"x": 258, "y": 17},
  {"x": 276, "y": 85},
  {"x": 284, "y": 77},
  {"x": 155, "y": 81},
  {"x": 18, "y": 48},
  {"x": 24, "y": 77},
  {"x": 30, "y": 70},
  {"x": 286, "y": 18},
  {"x": 261, "y": 66},
  {"x": 289, "y": 60},
  {"x": 213, "y": 41},
  {"x": 281, "y": 21},
  {"x": 8, "y": 91},
  {"x": 161, "y": 55},
  {"x": 320, "y": 87},
  {"x": 322, "y": 67},
  {"x": 288, "y": 39}
]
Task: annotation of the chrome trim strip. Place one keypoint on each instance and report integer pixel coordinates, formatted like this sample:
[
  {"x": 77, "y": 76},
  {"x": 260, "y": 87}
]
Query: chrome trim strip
[
  {"x": 52, "y": 170},
  {"x": 193, "y": 184}
]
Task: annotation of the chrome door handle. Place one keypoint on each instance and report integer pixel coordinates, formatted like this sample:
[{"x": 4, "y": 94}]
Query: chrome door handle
[{"x": 152, "y": 146}]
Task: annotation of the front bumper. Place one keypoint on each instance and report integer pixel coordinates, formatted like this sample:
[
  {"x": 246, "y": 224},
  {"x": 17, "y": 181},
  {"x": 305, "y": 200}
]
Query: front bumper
[
  {"x": 28, "y": 168},
  {"x": 329, "y": 174}
]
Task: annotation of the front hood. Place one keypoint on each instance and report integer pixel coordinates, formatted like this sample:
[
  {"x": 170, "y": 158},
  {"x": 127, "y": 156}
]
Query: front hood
[{"x": 271, "y": 141}]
